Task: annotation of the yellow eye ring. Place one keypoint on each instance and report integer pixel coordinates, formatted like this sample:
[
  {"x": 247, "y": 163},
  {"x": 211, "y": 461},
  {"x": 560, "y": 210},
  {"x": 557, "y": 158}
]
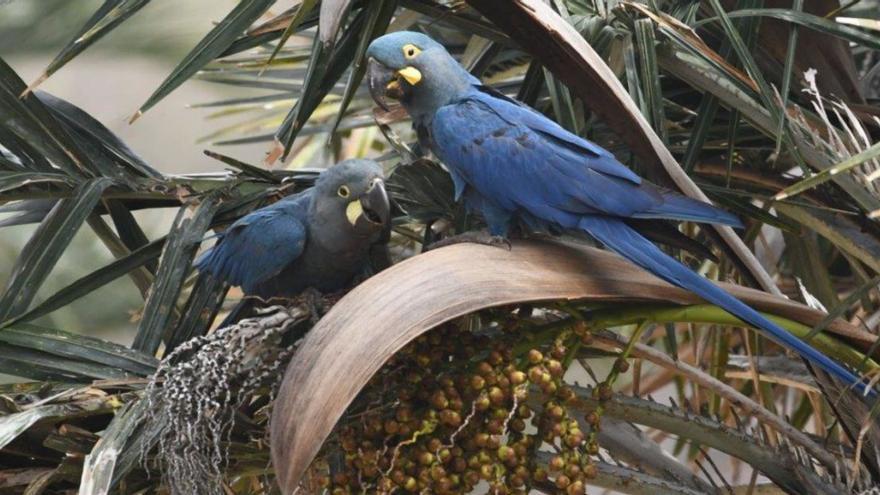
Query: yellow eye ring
[
  {"x": 343, "y": 192},
  {"x": 410, "y": 51}
]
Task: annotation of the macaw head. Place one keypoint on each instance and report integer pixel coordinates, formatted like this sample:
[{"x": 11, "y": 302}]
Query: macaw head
[
  {"x": 417, "y": 71},
  {"x": 350, "y": 197}
]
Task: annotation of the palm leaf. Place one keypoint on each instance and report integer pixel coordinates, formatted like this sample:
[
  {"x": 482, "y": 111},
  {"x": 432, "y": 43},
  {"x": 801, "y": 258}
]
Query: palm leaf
[
  {"x": 78, "y": 347},
  {"x": 47, "y": 245},
  {"x": 304, "y": 8},
  {"x": 105, "y": 19},
  {"x": 810, "y": 21},
  {"x": 94, "y": 281},
  {"x": 175, "y": 264},
  {"x": 380, "y": 14},
  {"x": 326, "y": 66},
  {"x": 330, "y": 19},
  {"x": 215, "y": 43},
  {"x": 12, "y": 425},
  {"x": 34, "y": 124}
]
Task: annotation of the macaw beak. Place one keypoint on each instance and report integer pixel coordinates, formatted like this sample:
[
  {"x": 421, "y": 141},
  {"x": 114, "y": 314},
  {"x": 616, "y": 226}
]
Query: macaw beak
[
  {"x": 386, "y": 83},
  {"x": 383, "y": 83},
  {"x": 377, "y": 208},
  {"x": 372, "y": 208}
]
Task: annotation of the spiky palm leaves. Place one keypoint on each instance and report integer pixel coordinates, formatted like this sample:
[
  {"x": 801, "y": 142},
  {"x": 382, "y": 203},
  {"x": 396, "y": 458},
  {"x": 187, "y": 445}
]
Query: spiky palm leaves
[{"x": 701, "y": 84}]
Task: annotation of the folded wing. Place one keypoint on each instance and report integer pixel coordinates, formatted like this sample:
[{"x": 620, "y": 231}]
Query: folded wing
[
  {"x": 256, "y": 247},
  {"x": 508, "y": 151}
]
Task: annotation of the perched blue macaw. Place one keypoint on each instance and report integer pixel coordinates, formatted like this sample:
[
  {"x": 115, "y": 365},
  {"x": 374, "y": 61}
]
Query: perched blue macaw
[
  {"x": 317, "y": 239},
  {"x": 509, "y": 161}
]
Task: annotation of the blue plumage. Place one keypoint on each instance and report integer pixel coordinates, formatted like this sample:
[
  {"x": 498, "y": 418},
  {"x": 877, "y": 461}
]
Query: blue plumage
[
  {"x": 258, "y": 246},
  {"x": 509, "y": 161},
  {"x": 320, "y": 238},
  {"x": 625, "y": 241},
  {"x": 546, "y": 171}
]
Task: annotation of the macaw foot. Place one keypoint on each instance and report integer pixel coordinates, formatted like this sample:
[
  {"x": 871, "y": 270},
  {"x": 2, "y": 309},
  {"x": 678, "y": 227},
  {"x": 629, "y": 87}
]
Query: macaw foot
[
  {"x": 476, "y": 237},
  {"x": 332, "y": 298},
  {"x": 313, "y": 300}
]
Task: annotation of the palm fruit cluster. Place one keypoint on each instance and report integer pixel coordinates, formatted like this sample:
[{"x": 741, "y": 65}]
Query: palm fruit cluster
[{"x": 467, "y": 406}]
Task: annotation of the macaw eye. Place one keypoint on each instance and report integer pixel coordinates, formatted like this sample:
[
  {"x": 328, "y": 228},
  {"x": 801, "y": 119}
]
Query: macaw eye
[
  {"x": 410, "y": 51},
  {"x": 343, "y": 192}
]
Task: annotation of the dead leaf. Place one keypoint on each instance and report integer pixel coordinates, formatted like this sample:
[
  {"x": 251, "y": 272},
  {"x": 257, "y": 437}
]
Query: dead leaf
[{"x": 379, "y": 317}]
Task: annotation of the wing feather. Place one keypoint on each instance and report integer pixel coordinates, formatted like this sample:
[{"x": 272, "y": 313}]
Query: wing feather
[
  {"x": 513, "y": 154},
  {"x": 256, "y": 247}
]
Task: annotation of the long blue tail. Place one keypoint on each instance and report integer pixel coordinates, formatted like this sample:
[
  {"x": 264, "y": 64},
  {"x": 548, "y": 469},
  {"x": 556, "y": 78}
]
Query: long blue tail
[{"x": 622, "y": 239}]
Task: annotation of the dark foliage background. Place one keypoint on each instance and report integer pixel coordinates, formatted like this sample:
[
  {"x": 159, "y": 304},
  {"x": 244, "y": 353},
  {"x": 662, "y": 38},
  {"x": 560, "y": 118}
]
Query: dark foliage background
[{"x": 769, "y": 107}]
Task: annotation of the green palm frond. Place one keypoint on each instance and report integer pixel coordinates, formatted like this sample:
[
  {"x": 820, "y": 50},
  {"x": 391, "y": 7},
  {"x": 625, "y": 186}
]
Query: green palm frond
[{"x": 718, "y": 86}]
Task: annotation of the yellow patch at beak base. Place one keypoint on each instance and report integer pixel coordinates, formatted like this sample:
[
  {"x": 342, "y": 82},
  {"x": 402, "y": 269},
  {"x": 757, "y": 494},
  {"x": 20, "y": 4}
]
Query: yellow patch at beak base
[
  {"x": 353, "y": 211},
  {"x": 411, "y": 74}
]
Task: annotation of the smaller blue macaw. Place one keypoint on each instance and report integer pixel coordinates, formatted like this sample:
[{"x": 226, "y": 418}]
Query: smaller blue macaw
[
  {"x": 317, "y": 239},
  {"x": 509, "y": 162}
]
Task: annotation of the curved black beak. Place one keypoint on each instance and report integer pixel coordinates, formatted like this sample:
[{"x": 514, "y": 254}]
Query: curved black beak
[
  {"x": 383, "y": 83},
  {"x": 377, "y": 208}
]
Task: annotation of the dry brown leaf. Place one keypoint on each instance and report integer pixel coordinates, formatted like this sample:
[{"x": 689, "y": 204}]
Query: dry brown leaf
[
  {"x": 829, "y": 55},
  {"x": 379, "y": 317},
  {"x": 685, "y": 31}
]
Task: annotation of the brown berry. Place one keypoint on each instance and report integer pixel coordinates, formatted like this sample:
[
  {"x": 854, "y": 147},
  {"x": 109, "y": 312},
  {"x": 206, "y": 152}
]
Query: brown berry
[
  {"x": 576, "y": 488},
  {"x": 590, "y": 471},
  {"x": 562, "y": 482},
  {"x": 496, "y": 396},
  {"x": 558, "y": 352},
  {"x": 439, "y": 400},
  {"x": 484, "y": 368},
  {"x": 411, "y": 484},
  {"x": 506, "y": 453},
  {"x": 535, "y": 356},
  {"x": 517, "y": 377},
  {"x": 495, "y": 358},
  {"x": 478, "y": 382},
  {"x": 535, "y": 374}
]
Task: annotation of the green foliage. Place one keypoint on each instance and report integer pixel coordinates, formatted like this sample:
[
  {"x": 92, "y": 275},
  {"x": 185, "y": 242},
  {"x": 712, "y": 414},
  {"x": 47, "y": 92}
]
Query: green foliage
[{"x": 744, "y": 121}]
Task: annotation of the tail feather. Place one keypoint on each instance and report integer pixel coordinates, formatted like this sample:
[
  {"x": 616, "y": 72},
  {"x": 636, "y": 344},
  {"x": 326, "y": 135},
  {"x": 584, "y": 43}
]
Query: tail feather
[
  {"x": 622, "y": 239},
  {"x": 677, "y": 207}
]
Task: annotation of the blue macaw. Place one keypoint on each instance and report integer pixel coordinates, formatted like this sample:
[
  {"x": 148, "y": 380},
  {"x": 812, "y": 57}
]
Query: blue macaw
[
  {"x": 317, "y": 239},
  {"x": 509, "y": 162}
]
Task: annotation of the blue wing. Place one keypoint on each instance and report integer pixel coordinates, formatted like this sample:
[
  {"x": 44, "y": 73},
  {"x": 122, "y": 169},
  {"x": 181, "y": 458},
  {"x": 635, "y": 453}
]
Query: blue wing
[
  {"x": 507, "y": 151},
  {"x": 257, "y": 246},
  {"x": 622, "y": 239},
  {"x": 514, "y": 112}
]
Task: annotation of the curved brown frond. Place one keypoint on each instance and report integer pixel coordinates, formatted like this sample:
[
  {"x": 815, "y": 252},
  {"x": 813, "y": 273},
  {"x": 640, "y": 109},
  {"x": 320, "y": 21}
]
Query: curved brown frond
[{"x": 383, "y": 314}]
